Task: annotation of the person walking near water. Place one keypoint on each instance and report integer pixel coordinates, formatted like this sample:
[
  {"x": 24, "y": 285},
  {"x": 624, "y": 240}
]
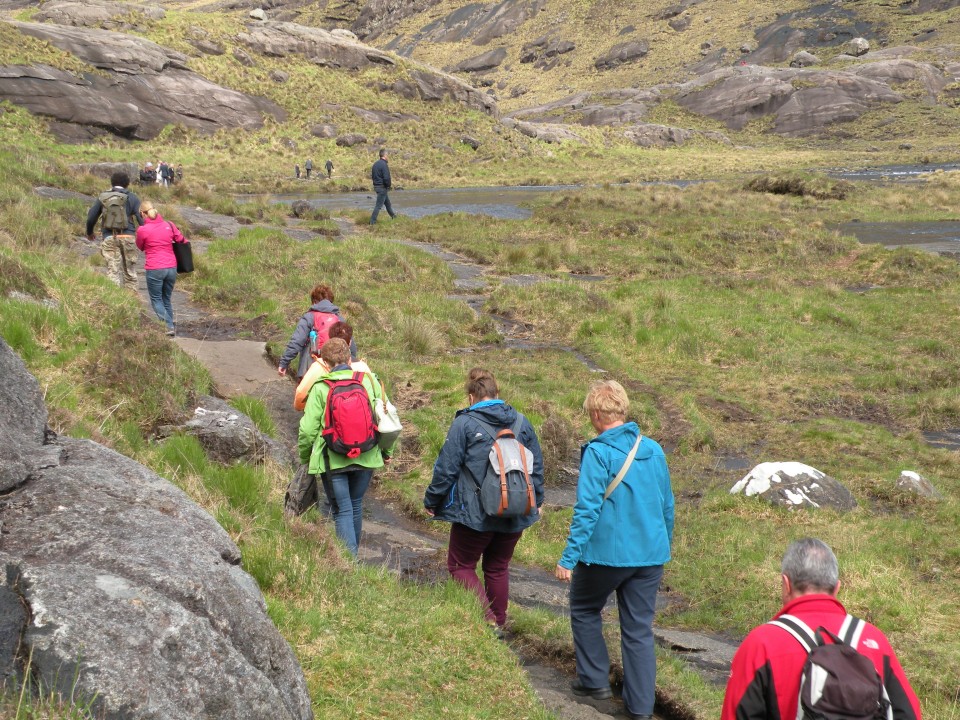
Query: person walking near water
[
  {"x": 329, "y": 167},
  {"x": 619, "y": 540},
  {"x": 321, "y": 303},
  {"x": 155, "y": 238},
  {"x": 308, "y": 167},
  {"x": 380, "y": 174},
  {"x": 120, "y": 209}
]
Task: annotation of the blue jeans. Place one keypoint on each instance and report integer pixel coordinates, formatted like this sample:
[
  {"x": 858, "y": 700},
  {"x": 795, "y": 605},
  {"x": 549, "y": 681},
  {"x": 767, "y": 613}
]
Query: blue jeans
[
  {"x": 160, "y": 288},
  {"x": 383, "y": 200},
  {"x": 636, "y": 590},
  {"x": 346, "y": 489}
]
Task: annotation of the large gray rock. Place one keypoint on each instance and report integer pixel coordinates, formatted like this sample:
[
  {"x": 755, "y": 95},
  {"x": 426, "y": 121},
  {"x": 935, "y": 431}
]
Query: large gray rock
[
  {"x": 106, "y": 169},
  {"x": 662, "y": 136},
  {"x": 801, "y": 101},
  {"x": 898, "y": 71},
  {"x": 793, "y": 485},
  {"x": 477, "y": 22},
  {"x": 146, "y": 87},
  {"x": 129, "y": 594},
  {"x": 284, "y": 39},
  {"x": 917, "y": 484},
  {"x": 106, "y": 14},
  {"x": 229, "y": 436},
  {"x": 622, "y": 53},
  {"x": 483, "y": 62},
  {"x": 544, "y": 132}
]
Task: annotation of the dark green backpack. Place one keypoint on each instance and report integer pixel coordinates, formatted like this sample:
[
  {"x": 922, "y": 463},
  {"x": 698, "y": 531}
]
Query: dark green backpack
[{"x": 115, "y": 217}]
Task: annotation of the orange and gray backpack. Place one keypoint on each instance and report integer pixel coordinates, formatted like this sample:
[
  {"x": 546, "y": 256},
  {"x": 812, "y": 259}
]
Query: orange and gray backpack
[{"x": 506, "y": 489}]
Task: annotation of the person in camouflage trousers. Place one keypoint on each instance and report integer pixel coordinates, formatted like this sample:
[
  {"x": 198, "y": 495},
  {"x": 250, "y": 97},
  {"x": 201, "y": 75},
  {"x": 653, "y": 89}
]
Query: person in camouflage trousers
[{"x": 118, "y": 246}]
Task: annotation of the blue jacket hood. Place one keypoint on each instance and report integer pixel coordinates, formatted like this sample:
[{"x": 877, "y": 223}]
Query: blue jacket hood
[{"x": 622, "y": 438}]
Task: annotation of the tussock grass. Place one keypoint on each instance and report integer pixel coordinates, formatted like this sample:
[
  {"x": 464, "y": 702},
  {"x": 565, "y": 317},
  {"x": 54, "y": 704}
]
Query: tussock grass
[{"x": 815, "y": 186}]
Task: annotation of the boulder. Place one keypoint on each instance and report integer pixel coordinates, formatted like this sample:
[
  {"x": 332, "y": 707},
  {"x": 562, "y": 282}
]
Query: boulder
[
  {"x": 472, "y": 142},
  {"x": 344, "y": 33},
  {"x": 229, "y": 436},
  {"x": 898, "y": 71},
  {"x": 106, "y": 14},
  {"x": 858, "y": 46},
  {"x": 243, "y": 57},
  {"x": 279, "y": 76},
  {"x": 483, "y": 62},
  {"x": 648, "y": 135},
  {"x": 433, "y": 85},
  {"x": 207, "y": 47},
  {"x": 622, "y": 53},
  {"x": 258, "y": 14},
  {"x": 351, "y": 139},
  {"x": 544, "y": 132},
  {"x": 300, "y": 208},
  {"x": 120, "y": 590},
  {"x": 283, "y": 39},
  {"x": 804, "y": 59},
  {"x": 324, "y": 130},
  {"x": 915, "y": 483},
  {"x": 145, "y": 88},
  {"x": 793, "y": 485},
  {"x": 106, "y": 169}
]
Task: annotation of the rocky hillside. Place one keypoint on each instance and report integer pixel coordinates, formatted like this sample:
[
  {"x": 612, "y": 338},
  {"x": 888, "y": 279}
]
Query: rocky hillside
[{"x": 651, "y": 74}]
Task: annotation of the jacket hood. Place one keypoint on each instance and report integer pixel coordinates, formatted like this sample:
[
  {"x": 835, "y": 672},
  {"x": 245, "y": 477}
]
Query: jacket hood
[
  {"x": 622, "y": 438},
  {"x": 325, "y": 306},
  {"x": 498, "y": 415}
]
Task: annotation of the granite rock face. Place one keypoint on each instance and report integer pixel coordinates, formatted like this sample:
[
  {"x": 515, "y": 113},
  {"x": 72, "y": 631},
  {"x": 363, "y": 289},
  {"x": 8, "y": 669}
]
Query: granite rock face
[{"x": 121, "y": 589}]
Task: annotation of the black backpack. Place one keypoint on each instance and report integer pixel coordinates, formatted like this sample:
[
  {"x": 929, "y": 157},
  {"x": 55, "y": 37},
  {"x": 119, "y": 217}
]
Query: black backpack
[
  {"x": 838, "y": 682},
  {"x": 506, "y": 489},
  {"x": 302, "y": 492}
]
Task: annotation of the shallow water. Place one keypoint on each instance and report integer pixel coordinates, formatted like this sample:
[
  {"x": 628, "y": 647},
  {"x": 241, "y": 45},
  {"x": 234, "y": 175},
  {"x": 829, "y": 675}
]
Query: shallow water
[{"x": 935, "y": 237}]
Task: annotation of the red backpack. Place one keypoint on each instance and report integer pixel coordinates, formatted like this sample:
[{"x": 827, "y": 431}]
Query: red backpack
[
  {"x": 348, "y": 425},
  {"x": 322, "y": 322}
]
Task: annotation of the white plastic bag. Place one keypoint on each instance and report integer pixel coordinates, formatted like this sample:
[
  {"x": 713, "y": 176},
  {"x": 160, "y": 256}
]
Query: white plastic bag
[{"x": 388, "y": 422}]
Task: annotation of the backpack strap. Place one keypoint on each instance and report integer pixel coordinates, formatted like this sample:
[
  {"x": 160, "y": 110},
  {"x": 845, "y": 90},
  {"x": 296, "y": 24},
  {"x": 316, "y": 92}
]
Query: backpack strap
[
  {"x": 623, "y": 470},
  {"x": 851, "y": 630},
  {"x": 798, "y": 629}
]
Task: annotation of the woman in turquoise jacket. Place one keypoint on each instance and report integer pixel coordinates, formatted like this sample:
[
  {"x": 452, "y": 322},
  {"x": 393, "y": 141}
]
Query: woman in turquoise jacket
[
  {"x": 345, "y": 479},
  {"x": 619, "y": 540}
]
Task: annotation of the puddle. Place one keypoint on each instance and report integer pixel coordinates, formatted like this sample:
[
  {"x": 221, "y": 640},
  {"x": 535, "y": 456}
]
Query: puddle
[
  {"x": 944, "y": 439},
  {"x": 934, "y": 237}
]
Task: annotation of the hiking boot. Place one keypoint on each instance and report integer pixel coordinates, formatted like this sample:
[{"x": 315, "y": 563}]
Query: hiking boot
[{"x": 601, "y": 693}]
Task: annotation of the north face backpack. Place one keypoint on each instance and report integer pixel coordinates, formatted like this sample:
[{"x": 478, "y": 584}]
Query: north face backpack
[
  {"x": 114, "y": 210},
  {"x": 506, "y": 489},
  {"x": 322, "y": 322},
  {"x": 348, "y": 425},
  {"x": 838, "y": 682}
]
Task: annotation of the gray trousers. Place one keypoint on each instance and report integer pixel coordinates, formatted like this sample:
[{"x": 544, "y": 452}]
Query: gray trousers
[{"x": 636, "y": 590}]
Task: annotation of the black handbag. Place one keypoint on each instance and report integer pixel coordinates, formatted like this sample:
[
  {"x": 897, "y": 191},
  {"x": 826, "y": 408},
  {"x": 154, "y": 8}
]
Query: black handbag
[{"x": 184, "y": 257}]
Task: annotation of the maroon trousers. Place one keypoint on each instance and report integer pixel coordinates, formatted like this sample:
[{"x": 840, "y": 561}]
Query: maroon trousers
[{"x": 467, "y": 546}]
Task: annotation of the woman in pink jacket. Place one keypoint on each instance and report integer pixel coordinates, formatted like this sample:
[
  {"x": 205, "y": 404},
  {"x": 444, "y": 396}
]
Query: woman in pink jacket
[{"x": 155, "y": 238}]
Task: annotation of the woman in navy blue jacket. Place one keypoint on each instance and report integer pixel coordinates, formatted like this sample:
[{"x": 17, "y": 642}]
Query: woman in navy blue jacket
[
  {"x": 619, "y": 540},
  {"x": 453, "y": 494}
]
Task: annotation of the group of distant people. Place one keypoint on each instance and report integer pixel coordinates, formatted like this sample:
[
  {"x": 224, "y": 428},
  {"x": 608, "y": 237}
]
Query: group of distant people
[
  {"x": 308, "y": 169},
  {"x": 163, "y": 173}
]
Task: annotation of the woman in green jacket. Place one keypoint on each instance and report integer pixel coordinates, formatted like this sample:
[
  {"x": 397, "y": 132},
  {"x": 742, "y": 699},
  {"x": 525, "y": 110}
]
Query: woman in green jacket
[{"x": 345, "y": 479}]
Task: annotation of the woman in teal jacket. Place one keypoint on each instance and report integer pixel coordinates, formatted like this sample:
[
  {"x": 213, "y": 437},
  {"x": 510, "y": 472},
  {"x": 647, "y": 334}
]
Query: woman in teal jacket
[
  {"x": 619, "y": 540},
  {"x": 345, "y": 479}
]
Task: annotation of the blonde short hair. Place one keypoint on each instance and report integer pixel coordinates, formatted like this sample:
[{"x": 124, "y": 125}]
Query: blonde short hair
[{"x": 608, "y": 399}]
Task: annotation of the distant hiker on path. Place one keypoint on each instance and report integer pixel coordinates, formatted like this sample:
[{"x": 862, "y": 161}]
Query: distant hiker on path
[
  {"x": 120, "y": 209},
  {"x": 765, "y": 676},
  {"x": 316, "y": 321},
  {"x": 619, "y": 540},
  {"x": 309, "y": 168},
  {"x": 346, "y": 475},
  {"x": 155, "y": 238},
  {"x": 329, "y": 167},
  {"x": 380, "y": 173},
  {"x": 179, "y": 172},
  {"x": 296, "y": 171},
  {"x": 148, "y": 175},
  {"x": 454, "y": 494}
]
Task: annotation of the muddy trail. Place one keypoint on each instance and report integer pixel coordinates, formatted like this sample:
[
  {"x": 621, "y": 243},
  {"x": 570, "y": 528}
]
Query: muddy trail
[{"x": 234, "y": 351}]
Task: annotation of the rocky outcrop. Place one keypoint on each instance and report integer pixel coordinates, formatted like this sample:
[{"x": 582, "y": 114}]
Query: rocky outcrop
[
  {"x": 544, "y": 132},
  {"x": 146, "y": 87},
  {"x": 483, "y": 62},
  {"x": 105, "y": 14},
  {"x": 229, "y": 436},
  {"x": 381, "y": 117},
  {"x": 351, "y": 139},
  {"x": 543, "y": 49},
  {"x": 622, "y": 53},
  {"x": 120, "y": 590},
  {"x": 379, "y": 16},
  {"x": 801, "y": 101},
  {"x": 663, "y": 136},
  {"x": 476, "y": 22},
  {"x": 284, "y": 39},
  {"x": 795, "y": 485}
]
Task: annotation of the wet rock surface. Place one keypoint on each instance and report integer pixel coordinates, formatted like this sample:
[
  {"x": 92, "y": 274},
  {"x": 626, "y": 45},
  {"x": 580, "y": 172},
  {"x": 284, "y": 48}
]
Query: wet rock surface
[{"x": 133, "y": 595}]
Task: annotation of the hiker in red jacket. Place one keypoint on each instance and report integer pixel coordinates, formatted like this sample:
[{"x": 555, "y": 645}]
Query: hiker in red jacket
[{"x": 766, "y": 672}]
